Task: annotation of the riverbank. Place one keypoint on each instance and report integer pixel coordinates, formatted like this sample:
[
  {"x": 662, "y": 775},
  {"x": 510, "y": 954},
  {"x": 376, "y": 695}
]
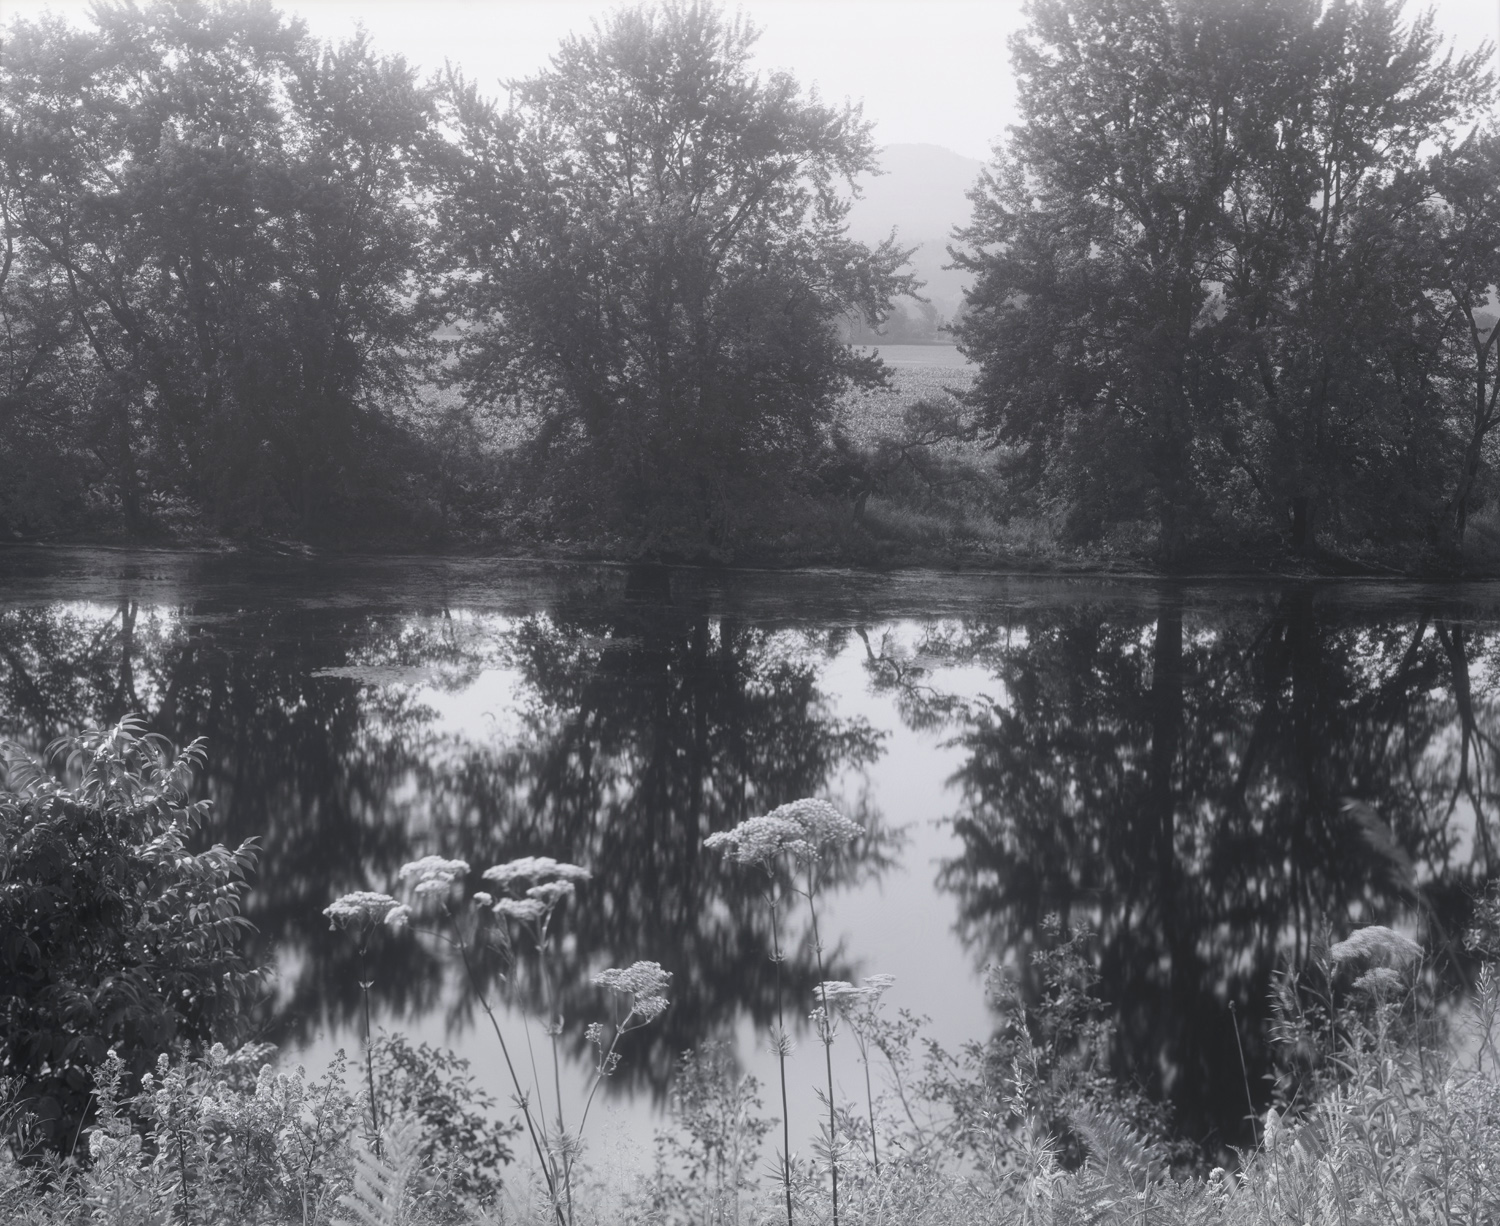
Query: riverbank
[{"x": 880, "y": 557}]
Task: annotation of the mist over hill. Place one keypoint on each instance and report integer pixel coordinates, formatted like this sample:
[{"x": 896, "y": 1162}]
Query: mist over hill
[{"x": 923, "y": 194}]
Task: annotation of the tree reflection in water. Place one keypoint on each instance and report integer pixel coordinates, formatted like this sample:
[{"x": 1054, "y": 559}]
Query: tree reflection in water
[
  {"x": 1174, "y": 769},
  {"x": 635, "y": 733},
  {"x": 1180, "y": 779}
]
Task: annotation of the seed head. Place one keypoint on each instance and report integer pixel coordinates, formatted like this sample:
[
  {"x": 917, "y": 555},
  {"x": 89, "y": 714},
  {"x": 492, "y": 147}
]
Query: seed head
[
  {"x": 1380, "y": 983},
  {"x": 1377, "y": 945}
]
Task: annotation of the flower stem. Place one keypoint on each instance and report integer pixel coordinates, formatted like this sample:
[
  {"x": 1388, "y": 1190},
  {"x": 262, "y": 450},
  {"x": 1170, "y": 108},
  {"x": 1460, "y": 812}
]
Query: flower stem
[
  {"x": 554, "y": 1027},
  {"x": 833, "y": 1157},
  {"x": 864, "y": 1055},
  {"x": 364, "y": 988},
  {"x": 786, "y": 1125},
  {"x": 521, "y": 1101}
]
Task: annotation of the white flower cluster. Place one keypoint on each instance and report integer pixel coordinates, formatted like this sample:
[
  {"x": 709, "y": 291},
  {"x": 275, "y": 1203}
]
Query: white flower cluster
[
  {"x": 535, "y": 868},
  {"x": 842, "y": 995},
  {"x": 359, "y": 908},
  {"x": 1377, "y": 945},
  {"x": 433, "y": 874},
  {"x": 553, "y": 882},
  {"x": 1380, "y": 983},
  {"x": 643, "y": 984},
  {"x": 804, "y": 829}
]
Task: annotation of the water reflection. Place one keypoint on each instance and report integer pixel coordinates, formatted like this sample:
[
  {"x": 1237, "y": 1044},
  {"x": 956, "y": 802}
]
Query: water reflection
[
  {"x": 1175, "y": 767},
  {"x": 629, "y": 734},
  {"x": 1211, "y": 790}
]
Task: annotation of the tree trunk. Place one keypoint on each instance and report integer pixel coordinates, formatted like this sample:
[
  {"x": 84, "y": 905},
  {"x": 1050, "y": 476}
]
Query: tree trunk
[{"x": 1302, "y": 524}]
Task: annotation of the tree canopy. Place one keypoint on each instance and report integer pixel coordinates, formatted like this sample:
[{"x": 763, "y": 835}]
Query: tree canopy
[
  {"x": 648, "y": 255},
  {"x": 214, "y": 236},
  {"x": 1212, "y": 291}
]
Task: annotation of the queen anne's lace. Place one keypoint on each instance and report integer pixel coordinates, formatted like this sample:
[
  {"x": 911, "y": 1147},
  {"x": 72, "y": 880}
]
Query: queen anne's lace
[
  {"x": 551, "y": 892},
  {"x": 804, "y": 829},
  {"x": 643, "y": 984},
  {"x": 525, "y": 909},
  {"x": 432, "y": 874},
  {"x": 535, "y": 868},
  {"x": 359, "y": 908}
]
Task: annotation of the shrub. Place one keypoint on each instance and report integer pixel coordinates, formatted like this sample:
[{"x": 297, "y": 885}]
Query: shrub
[{"x": 114, "y": 935}]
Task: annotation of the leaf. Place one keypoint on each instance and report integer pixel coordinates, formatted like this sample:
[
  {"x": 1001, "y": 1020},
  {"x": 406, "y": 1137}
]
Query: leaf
[{"x": 382, "y": 1182}]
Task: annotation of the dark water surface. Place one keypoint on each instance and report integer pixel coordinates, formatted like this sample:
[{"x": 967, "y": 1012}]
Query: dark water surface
[{"x": 1168, "y": 763}]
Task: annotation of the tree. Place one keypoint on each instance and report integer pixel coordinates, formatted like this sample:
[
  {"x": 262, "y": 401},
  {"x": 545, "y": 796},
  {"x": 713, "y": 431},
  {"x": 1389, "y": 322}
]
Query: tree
[
  {"x": 1466, "y": 227},
  {"x": 113, "y": 934},
  {"x": 649, "y": 254},
  {"x": 221, "y": 222},
  {"x": 1342, "y": 343},
  {"x": 1173, "y": 250}
]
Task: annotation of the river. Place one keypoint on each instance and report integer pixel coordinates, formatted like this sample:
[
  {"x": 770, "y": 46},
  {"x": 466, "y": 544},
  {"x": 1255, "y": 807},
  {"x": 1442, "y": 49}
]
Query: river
[{"x": 1168, "y": 764}]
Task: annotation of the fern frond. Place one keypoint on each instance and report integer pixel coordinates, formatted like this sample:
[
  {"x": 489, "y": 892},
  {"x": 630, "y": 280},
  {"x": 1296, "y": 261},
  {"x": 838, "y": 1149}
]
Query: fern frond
[
  {"x": 1123, "y": 1155},
  {"x": 382, "y": 1183}
]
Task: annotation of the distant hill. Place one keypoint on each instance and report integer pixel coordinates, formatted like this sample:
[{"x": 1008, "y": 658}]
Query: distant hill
[{"x": 923, "y": 194}]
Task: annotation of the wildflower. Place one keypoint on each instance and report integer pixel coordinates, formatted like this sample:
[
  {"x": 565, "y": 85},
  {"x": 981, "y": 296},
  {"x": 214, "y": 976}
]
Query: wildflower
[
  {"x": 535, "y": 868},
  {"x": 359, "y": 908},
  {"x": 823, "y": 826},
  {"x": 398, "y": 917},
  {"x": 643, "y": 983},
  {"x": 843, "y": 997},
  {"x": 483, "y": 899},
  {"x": 433, "y": 874},
  {"x": 550, "y": 893},
  {"x": 761, "y": 840},
  {"x": 1377, "y": 945},
  {"x": 805, "y": 828},
  {"x": 524, "y": 909},
  {"x": 838, "y": 995},
  {"x": 1380, "y": 982}
]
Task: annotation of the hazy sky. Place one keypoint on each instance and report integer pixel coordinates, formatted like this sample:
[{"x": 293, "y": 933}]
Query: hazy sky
[{"x": 934, "y": 71}]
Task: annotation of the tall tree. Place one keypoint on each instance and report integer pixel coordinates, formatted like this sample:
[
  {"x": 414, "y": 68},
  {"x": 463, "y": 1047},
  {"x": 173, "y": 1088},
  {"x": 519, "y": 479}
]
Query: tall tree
[
  {"x": 650, "y": 254},
  {"x": 1343, "y": 348},
  {"x": 1196, "y": 296},
  {"x": 1465, "y": 224},
  {"x": 231, "y": 214}
]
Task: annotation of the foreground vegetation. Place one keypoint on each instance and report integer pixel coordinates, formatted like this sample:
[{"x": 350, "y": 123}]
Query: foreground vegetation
[
  {"x": 129, "y": 1101},
  {"x": 256, "y": 287}
]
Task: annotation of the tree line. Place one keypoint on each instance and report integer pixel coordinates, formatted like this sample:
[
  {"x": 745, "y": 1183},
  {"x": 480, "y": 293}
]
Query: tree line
[
  {"x": 1233, "y": 286},
  {"x": 276, "y": 286}
]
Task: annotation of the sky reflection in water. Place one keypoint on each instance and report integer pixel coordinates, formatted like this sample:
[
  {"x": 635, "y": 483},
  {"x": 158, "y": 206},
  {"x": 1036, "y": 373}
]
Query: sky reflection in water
[{"x": 1170, "y": 764}]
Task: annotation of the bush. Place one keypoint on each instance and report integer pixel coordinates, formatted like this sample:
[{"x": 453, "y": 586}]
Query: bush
[{"x": 114, "y": 936}]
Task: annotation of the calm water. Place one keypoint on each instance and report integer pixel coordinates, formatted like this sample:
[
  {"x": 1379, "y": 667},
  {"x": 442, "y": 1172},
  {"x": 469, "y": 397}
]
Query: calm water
[{"x": 1167, "y": 763}]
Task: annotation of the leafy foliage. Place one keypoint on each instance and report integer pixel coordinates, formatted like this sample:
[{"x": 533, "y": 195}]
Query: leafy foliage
[
  {"x": 461, "y": 1146},
  {"x": 114, "y": 934},
  {"x": 1170, "y": 251},
  {"x": 214, "y": 238},
  {"x": 649, "y": 255}
]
